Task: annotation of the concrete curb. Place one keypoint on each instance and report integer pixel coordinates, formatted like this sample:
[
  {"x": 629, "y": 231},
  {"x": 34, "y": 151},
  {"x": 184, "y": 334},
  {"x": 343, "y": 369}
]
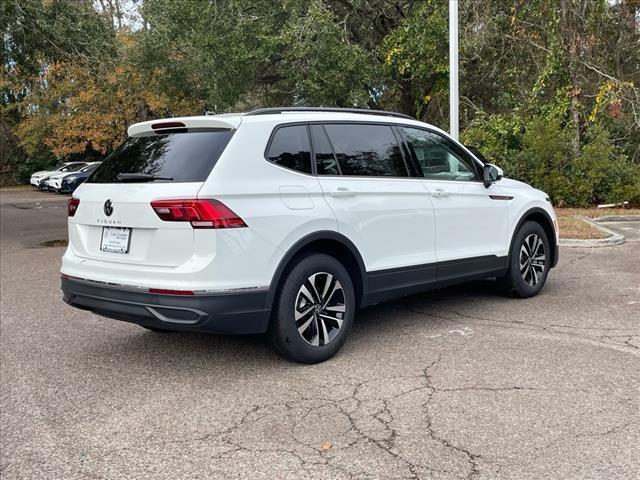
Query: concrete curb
[
  {"x": 618, "y": 218},
  {"x": 613, "y": 239}
]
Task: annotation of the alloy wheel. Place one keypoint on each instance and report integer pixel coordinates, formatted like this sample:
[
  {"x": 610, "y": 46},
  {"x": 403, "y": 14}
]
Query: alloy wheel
[
  {"x": 319, "y": 309},
  {"x": 532, "y": 259}
]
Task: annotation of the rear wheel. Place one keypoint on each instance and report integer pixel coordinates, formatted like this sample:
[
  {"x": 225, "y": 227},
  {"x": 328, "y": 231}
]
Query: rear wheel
[
  {"x": 314, "y": 309},
  {"x": 529, "y": 262}
]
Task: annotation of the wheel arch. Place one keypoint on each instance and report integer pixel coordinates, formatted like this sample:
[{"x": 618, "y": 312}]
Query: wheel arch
[
  {"x": 540, "y": 216},
  {"x": 330, "y": 243}
]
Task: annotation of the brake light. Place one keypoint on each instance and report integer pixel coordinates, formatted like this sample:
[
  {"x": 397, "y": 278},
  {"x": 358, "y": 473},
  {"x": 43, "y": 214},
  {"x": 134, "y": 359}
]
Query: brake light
[
  {"x": 200, "y": 213},
  {"x": 156, "y": 126},
  {"x": 72, "y": 206}
]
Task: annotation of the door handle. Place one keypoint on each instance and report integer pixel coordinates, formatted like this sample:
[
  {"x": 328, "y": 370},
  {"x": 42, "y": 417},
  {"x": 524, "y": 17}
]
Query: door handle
[
  {"x": 342, "y": 192},
  {"x": 439, "y": 192}
]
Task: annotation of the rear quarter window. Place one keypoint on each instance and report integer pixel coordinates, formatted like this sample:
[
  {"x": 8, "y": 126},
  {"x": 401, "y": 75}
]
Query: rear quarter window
[
  {"x": 183, "y": 157},
  {"x": 290, "y": 148}
]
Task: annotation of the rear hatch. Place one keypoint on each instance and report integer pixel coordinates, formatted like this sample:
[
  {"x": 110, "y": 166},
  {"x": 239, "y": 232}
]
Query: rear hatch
[{"x": 115, "y": 221}]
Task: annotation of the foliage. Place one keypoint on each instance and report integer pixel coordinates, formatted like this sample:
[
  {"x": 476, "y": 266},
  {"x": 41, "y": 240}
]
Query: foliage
[
  {"x": 317, "y": 64},
  {"x": 548, "y": 89},
  {"x": 537, "y": 150},
  {"x": 95, "y": 113},
  {"x": 416, "y": 59}
]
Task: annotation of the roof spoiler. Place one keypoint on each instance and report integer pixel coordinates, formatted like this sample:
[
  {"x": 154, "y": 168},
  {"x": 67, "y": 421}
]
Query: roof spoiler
[{"x": 169, "y": 125}]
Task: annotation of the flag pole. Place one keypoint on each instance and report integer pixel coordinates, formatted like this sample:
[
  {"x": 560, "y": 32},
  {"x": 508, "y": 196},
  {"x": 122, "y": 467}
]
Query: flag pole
[{"x": 453, "y": 69}]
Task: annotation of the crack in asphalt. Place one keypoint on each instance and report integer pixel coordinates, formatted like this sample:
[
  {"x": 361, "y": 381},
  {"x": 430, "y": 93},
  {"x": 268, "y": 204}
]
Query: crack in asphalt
[
  {"x": 614, "y": 429},
  {"x": 471, "y": 457},
  {"x": 626, "y": 345},
  {"x": 399, "y": 421},
  {"x": 491, "y": 389},
  {"x": 310, "y": 456},
  {"x": 627, "y": 340},
  {"x": 355, "y": 407},
  {"x": 578, "y": 258}
]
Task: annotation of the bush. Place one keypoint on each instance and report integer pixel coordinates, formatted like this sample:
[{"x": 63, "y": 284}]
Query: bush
[{"x": 537, "y": 150}]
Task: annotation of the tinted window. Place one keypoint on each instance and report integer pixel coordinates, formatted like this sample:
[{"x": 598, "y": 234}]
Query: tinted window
[
  {"x": 184, "y": 157},
  {"x": 439, "y": 157},
  {"x": 290, "y": 148},
  {"x": 326, "y": 162},
  {"x": 366, "y": 150}
]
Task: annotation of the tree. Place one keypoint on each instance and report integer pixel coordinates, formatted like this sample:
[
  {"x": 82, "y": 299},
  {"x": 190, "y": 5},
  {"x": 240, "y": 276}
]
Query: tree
[{"x": 76, "y": 72}]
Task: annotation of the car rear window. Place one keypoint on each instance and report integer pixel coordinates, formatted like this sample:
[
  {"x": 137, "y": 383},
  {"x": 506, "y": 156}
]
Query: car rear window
[{"x": 181, "y": 157}]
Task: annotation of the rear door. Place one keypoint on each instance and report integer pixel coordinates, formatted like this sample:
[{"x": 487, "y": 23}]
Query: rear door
[
  {"x": 115, "y": 221},
  {"x": 365, "y": 179},
  {"x": 471, "y": 220}
]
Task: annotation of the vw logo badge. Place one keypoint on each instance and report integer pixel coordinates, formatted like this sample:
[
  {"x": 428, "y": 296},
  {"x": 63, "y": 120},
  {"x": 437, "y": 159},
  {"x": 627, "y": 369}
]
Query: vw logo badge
[{"x": 108, "y": 208}]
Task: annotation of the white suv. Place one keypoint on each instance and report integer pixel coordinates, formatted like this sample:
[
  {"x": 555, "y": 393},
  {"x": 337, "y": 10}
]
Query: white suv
[{"x": 287, "y": 221}]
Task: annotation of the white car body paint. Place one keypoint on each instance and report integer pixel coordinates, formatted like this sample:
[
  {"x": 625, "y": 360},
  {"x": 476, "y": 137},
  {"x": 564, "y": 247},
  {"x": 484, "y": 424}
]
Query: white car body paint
[{"x": 392, "y": 222}]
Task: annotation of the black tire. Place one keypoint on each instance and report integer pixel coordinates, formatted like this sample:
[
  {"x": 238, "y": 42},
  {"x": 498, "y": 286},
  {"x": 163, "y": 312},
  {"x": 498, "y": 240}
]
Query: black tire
[
  {"x": 527, "y": 281},
  {"x": 325, "y": 329}
]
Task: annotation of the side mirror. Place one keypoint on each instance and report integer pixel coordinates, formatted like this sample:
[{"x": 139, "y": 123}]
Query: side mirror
[{"x": 492, "y": 174}]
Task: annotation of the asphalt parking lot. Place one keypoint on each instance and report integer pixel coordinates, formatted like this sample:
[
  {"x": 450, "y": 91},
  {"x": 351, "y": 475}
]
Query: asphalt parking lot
[
  {"x": 460, "y": 383},
  {"x": 630, "y": 230}
]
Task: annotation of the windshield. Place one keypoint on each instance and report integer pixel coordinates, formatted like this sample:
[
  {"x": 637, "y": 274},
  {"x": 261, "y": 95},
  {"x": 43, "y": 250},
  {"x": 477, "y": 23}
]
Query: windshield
[
  {"x": 177, "y": 157},
  {"x": 89, "y": 168},
  {"x": 73, "y": 167}
]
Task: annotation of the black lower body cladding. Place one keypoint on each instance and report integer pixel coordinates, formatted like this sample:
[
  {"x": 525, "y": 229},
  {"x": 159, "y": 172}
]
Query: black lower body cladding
[{"x": 225, "y": 313}]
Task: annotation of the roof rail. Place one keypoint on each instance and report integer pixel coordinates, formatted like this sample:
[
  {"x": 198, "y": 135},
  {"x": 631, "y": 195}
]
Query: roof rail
[{"x": 362, "y": 111}]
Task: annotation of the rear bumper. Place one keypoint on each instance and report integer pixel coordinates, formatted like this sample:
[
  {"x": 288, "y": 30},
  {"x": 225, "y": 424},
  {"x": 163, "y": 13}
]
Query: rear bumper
[{"x": 227, "y": 313}]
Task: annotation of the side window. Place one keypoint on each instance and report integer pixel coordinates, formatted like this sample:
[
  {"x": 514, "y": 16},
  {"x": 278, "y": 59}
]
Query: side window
[
  {"x": 439, "y": 158},
  {"x": 326, "y": 162},
  {"x": 290, "y": 148},
  {"x": 367, "y": 150}
]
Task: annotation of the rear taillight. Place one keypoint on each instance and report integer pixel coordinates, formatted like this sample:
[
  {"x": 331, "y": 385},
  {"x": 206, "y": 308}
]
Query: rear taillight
[
  {"x": 72, "y": 206},
  {"x": 200, "y": 213}
]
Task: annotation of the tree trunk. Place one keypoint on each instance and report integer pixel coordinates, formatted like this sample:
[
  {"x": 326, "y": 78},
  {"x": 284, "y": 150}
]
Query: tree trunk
[
  {"x": 118, "y": 14},
  {"x": 407, "y": 101},
  {"x": 570, "y": 40}
]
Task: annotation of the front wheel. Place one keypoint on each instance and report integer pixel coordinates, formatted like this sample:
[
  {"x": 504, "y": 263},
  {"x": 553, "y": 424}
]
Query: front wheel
[
  {"x": 529, "y": 262},
  {"x": 314, "y": 309}
]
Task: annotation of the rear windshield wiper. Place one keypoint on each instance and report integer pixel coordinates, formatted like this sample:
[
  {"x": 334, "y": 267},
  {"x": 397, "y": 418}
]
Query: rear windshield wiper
[{"x": 140, "y": 177}]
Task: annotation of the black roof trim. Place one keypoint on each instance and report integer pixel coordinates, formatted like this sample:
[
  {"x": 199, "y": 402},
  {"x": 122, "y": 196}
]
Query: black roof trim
[{"x": 362, "y": 111}]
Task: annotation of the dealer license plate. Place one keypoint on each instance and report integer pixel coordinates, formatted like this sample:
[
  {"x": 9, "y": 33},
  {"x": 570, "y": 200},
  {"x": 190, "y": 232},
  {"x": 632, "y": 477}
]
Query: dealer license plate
[{"x": 115, "y": 239}]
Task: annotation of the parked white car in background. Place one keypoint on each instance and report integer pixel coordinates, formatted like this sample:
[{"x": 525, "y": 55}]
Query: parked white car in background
[
  {"x": 38, "y": 179},
  {"x": 54, "y": 182},
  {"x": 287, "y": 220}
]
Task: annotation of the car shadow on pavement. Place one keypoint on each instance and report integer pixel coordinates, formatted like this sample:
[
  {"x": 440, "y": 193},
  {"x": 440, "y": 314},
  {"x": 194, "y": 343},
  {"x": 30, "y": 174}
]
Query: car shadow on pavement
[{"x": 185, "y": 351}]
